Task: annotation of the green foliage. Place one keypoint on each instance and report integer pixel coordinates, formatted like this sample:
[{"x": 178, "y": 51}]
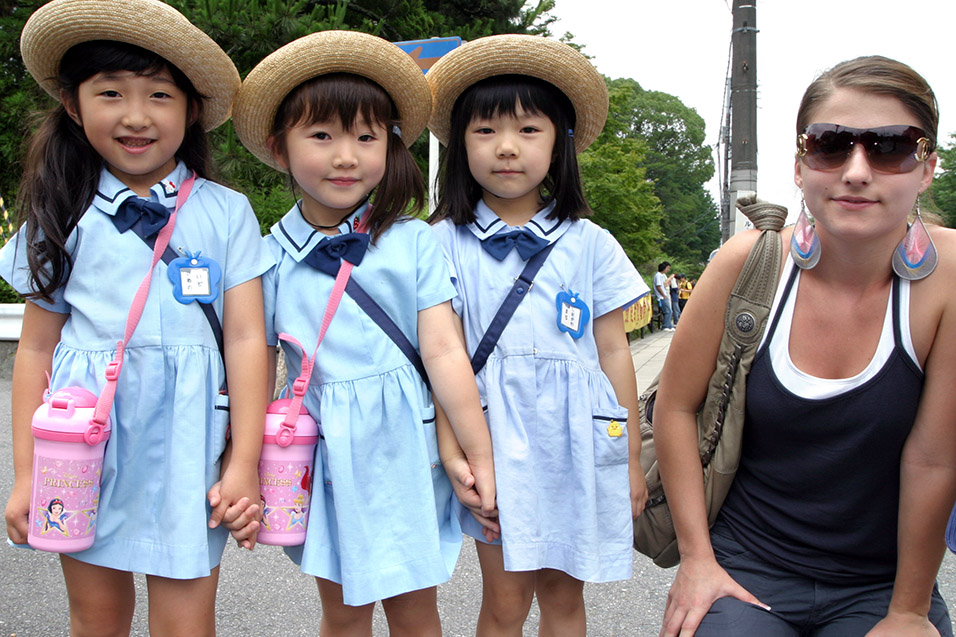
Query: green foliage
[
  {"x": 621, "y": 197},
  {"x": 943, "y": 190},
  {"x": 19, "y": 95},
  {"x": 677, "y": 161}
]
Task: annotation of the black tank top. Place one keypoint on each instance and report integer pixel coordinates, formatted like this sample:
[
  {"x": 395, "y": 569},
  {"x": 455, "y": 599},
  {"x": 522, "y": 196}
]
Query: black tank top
[{"x": 817, "y": 490}]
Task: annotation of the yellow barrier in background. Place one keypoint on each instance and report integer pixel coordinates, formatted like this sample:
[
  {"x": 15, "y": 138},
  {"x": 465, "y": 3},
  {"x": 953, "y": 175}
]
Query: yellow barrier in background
[{"x": 638, "y": 314}]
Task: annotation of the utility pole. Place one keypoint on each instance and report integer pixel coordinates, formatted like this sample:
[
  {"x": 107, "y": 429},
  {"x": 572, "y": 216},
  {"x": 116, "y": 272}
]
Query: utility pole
[{"x": 743, "y": 110}]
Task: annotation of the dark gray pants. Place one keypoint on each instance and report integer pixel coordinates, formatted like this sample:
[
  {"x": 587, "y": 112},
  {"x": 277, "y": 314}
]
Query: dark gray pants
[{"x": 799, "y": 605}]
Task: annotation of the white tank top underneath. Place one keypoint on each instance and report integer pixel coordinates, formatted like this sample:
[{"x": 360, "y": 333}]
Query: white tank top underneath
[{"x": 806, "y": 386}]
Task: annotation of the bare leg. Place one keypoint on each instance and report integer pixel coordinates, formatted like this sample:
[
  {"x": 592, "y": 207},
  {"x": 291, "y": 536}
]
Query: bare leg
[
  {"x": 413, "y": 614},
  {"x": 101, "y": 599},
  {"x": 505, "y": 596},
  {"x": 183, "y": 606},
  {"x": 561, "y": 600},
  {"x": 339, "y": 619}
]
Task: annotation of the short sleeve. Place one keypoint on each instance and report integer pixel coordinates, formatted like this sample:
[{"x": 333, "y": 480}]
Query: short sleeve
[
  {"x": 434, "y": 283},
  {"x": 269, "y": 283},
  {"x": 246, "y": 256},
  {"x": 15, "y": 270},
  {"x": 444, "y": 232},
  {"x": 617, "y": 283}
]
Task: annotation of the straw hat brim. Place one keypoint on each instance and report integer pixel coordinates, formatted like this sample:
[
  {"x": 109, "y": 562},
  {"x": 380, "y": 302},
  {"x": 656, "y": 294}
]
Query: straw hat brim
[
  {"x": 150, "y": 24},
  {"x": 513, "y": 54},
  {"x": 319, "y": 54}
]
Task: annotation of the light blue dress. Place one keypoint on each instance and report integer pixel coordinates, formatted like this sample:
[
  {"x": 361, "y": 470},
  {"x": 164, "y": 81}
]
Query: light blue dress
[
  {"x": 168, "y": 419},
  {"x": 562, "y": 481},
  {"x": 381, "y": 520}
]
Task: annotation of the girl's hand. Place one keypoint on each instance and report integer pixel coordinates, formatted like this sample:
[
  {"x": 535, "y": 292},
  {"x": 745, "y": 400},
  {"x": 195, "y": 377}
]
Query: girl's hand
[
  {"x": 18, "y": 512},
  {"x": 697, "y": 585},
  {"x": 238, "y": 496},
  {"x": 484, "y": 484},
  {"x": 463, "y": 484},
  {"x": 242, "y": 520},
  {"x": 909, "y": 624},
  {"x": 638, "y": 488}
]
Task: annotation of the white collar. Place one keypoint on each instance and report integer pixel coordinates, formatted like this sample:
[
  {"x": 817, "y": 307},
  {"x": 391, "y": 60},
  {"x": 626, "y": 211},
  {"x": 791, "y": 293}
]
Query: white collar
[
  {"x": 111, "y": 192},
  {"x": 487, "y": 223},
  {"x": 298, "y": 237}
]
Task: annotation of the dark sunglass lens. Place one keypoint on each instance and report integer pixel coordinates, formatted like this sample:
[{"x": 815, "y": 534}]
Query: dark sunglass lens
[
  {"x": 828, "y": 149},
  {"x": 891, "y": 151}
]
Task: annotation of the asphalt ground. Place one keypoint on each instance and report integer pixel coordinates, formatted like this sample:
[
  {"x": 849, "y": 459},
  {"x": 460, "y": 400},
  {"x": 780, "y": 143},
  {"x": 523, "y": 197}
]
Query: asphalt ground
[{"x": 263, "y": 594}]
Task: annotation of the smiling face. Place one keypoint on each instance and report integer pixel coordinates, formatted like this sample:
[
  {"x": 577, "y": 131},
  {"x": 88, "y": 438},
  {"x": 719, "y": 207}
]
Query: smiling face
[
  {"x": 853, "y": 200},
  {"x": 136, "y": 123},
  {"x": 509, "y": 157},
  {"x": 336, "y": 167}
]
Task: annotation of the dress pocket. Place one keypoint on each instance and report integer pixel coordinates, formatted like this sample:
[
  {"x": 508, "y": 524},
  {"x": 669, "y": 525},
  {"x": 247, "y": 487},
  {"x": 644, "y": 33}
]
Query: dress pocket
[
  {"x": 431, "y": 435},
  {"x": 610, "y": 438}
]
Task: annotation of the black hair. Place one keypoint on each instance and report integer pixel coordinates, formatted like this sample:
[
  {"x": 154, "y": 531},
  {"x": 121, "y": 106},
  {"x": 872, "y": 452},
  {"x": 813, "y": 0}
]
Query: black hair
[
  {"x": 347, "y": 97},
  {"x": 61, "y": 169},
  {"x": 500, "y": 96},
  {"x": 662, "y": 266}
]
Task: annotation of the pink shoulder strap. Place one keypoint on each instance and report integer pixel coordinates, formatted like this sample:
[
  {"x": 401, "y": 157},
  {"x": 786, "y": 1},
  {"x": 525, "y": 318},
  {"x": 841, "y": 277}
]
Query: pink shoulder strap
[
  {"x": 104, "y": 403},
  {"x": 301, "y": 384}
]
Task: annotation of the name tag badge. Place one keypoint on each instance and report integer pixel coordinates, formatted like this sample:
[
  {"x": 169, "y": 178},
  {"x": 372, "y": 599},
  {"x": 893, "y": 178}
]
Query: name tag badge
[
  {"x": 194, "y": 278},
  {"x": 573, "y": 314}
]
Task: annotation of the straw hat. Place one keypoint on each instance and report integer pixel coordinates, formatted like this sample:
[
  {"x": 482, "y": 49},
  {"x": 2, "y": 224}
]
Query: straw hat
[
  {"x": 150, "y": 24},
  {"x": 319, "y": 54},
  {"x": 545, "y": 59}
]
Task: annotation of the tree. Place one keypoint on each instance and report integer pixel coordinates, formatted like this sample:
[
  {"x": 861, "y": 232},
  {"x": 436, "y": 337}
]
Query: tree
[
  {"x": 943, "y": 190},
  {"x": 19, "y": 95},
  {"x": 617, "y": 187},
  {"x": 677, "y": 161}
]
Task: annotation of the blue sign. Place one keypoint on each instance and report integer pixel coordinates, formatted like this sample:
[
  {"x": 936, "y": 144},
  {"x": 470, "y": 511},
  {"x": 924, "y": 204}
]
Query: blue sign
[{"x": 427, "y": 52}]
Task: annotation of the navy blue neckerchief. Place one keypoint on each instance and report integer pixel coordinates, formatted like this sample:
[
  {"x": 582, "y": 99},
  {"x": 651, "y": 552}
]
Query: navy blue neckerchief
[
  {"x": 207, "y": 309},
  {"x": 507, "y": 309}
]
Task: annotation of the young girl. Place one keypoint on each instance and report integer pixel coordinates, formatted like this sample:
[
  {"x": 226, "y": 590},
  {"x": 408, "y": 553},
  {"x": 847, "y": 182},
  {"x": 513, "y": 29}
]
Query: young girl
[
  {"x": 138, "y": 86},
  {"x": 559, "y": 384},
  {"x": 336, "y": 110}
]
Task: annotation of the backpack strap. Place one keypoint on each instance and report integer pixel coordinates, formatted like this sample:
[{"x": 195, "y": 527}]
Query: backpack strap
[
  {"x": 519, "y": 290},
  {"x": 384, "y": 321}
]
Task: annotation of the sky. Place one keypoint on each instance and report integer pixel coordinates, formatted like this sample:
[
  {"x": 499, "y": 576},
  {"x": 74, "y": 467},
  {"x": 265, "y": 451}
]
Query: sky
[{"x": 681, "y": 47}]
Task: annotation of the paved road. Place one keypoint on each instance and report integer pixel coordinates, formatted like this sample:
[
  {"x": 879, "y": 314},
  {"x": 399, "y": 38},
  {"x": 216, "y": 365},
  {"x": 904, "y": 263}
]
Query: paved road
[{"x": 263, "y": 594}]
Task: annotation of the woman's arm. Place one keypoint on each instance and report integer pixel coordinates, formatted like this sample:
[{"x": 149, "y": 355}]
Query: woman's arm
[
  {"x": 690, "y": 362},
  {"x": 34, "y": 360},
  {"x": 928, "y": 463},
  {"x": 453, "y": 384},
  {"x": 614, "y": 355}
]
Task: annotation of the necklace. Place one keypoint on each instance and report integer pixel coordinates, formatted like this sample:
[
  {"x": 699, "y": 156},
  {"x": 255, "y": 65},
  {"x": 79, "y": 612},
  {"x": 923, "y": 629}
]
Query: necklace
[{"x": 317, "y": 226}]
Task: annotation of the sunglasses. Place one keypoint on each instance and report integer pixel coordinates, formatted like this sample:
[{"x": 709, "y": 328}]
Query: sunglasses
[{"x": 889, "y": 149}]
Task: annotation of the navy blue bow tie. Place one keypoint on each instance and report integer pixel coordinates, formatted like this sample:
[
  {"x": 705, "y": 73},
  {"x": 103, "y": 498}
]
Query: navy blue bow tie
[
  {"x": 154, "y": 216},
  {"x": 527, "y": 243},
  {"x": 327, "y": 255}
]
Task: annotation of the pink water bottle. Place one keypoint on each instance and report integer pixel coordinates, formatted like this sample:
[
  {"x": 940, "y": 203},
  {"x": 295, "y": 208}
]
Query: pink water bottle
[
  {"x": 285, "y": 474},
  {"x": 68, "y": 450}
]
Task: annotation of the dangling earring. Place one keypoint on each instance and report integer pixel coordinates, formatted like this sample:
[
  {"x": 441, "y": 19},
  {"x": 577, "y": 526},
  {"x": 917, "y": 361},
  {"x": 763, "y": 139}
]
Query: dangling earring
[
  {"x": 804, "y": 244},
  {"x": 915, "y": 257}
]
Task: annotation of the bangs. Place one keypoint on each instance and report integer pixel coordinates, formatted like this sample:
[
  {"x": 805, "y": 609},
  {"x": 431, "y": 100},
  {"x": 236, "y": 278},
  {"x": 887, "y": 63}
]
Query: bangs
[
  {"x": 86, "y": 59},
  {"x": 344, "y": 97},
  {"x": 500, "y": 95}
]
